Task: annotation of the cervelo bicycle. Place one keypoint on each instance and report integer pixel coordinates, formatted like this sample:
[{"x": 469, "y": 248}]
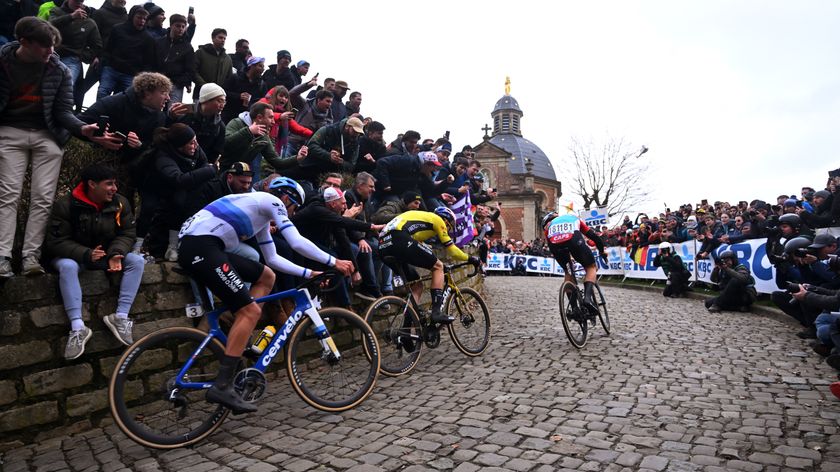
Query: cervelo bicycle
[
  {"x": 331, "y": 354},
  {"x": 401, "y": 332},
  {"x": 577, "y": 315}
]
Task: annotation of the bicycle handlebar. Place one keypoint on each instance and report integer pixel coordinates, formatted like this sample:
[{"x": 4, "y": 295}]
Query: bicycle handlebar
[
  {"x": 318, "y": 279},
  {"x": 450, "y": 268}
]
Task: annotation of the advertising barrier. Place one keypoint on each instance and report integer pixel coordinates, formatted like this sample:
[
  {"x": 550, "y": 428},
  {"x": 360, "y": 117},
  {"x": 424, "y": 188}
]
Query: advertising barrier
[{"x": 751, "y": 253}]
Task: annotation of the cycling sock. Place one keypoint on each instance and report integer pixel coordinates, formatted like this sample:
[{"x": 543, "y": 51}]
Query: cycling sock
[
  {"x": 437, "y": 299},
  {"x": 226, "y": 371},
  {"x": 121, "y": 315},
  {"x": 588, "y": 291},
  {"x": 77, "y": 325}
]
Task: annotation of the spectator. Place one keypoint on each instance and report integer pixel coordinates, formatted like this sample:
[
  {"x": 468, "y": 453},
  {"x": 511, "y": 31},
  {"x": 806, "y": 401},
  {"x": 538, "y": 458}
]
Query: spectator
[
  {"x": 247, "y": 140},
  {"x": 244, "y": 88},
  {"x": 212, "y": 65},
  {"x": 822, "y": 215},
  {"x": 175, "y": 57},
  {"x": 238, "y": 178},
  {"x": 110, "y": 14},
  {"x": 280, "y": 74},
  {"x": 365, "y": 245},
  {"x": 284, "y": 122},
  {"x": 371, "y": 147},
  {"x": 299, "y": 71},
  {"x": 80, "y": 41},
  {"x": 315, "y": 114},
  {"x": 92, "y": 228},
  {"x": 154, "y": 24},
  {"x": 339, "y": 111},
  {"x": 241, "y": 54},
  {"x": 674, "y": 269},
  {"x": 129, "y": 51},
  {"x": 34, "y": 131},
  {"x": 397, "y": 174},
  {"x": 354, "y": 103},
  {"x": 736, "y": 284},
  {"x": 333, "y": 148},
  {"x": 206, "y": 121},
  {"x": 405, "y": 144},
  {"x": 10, "y": 13}
]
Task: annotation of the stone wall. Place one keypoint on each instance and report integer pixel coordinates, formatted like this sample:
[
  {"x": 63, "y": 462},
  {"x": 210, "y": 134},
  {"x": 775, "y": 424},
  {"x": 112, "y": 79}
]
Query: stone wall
[{"x": 42, "y": 394}]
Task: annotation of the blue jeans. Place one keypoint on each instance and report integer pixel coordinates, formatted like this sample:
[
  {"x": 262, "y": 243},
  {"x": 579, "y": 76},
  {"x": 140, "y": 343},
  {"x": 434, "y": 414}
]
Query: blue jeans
[
  {"x": 256, "y": 167},
  {"x": 71, "y": 290},
  {"x": 112, "y": 82},
  {"x": 366, "y": 267},
  {"x": 176, "y": 95},
  {"x": 823, "y": 324},
  {"x": 77, "y": 78}
]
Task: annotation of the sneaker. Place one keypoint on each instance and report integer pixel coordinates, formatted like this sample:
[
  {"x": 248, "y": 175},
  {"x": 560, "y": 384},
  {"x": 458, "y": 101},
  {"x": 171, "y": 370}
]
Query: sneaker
[
  {"x": 835, "y": 389},
  {"x": 808, "y": 333},
  {"x": 31, "y": 266},
  {"x": 121, "y": 328},
  {"x": 229, "y": 398},
  {"x": 76, "y": 343},
  {"x": 6, "y": 268},
  {"x": 713, "y": 309},
  {"x": 821, "y": 348},
  {"x": 171, "y": 254}
]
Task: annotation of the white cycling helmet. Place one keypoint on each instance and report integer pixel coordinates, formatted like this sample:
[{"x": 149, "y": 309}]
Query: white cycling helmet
[
  {"x": 665, "y": 245},
  {"x": 286, "y": 186}
]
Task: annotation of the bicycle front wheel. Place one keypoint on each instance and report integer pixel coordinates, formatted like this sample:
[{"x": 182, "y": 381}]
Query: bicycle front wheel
[
  {"x": 573, "y": 315},
  {"x": 398, "y": 331},
  {"x": 324, "y": 381},
  {"x": 144, "y": 402},
  {"x": 471, "y": 329},
  {"x": 602, "y": 309}
]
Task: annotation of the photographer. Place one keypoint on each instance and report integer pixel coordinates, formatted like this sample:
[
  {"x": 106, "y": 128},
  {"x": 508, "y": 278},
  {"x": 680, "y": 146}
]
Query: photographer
[
  {"x": 822, "y": 215},
  {"x": 787, "y": 228},
  {"x": 674, "y": 269},
  {"x": 737, "y": 286},
  {"x": 793, "y": 269}
]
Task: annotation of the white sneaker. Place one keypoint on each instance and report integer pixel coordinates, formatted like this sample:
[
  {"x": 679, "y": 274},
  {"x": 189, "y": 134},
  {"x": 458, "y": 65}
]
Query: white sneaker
[
  {"x": 6, "y": 268},
  {"x": 121, "y": 327},
  {"x": 171, "y": 254},
  {"x": 31, "y": 266},
  {"x": 76, "y": 343}
]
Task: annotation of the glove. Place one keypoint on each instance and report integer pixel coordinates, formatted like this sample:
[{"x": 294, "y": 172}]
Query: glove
[
  {"x": 474, "y": 261},
  {"x": 604, "y": 257}
]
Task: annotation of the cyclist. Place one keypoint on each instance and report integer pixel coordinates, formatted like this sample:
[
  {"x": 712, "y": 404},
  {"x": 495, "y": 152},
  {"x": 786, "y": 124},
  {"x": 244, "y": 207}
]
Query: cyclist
[
  {"x": 219, "y": 227},
  {"x": 404, "y": 239},
  {"x": 564, "y": 234}
]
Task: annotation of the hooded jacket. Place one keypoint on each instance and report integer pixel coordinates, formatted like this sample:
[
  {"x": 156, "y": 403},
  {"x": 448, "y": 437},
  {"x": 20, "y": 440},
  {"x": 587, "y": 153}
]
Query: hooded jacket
[
  {"x": 242, "y": 146},
  {"x": 79, "y": 37},
  {"x": 56, "y": 93},
  {"x": 284, "y": 78},
  {"x": 129, "y": 50},
  {"x": 106, "y": 17},
  {"x": 211, "y": 65},
  {"x": 175, "y": 59}
]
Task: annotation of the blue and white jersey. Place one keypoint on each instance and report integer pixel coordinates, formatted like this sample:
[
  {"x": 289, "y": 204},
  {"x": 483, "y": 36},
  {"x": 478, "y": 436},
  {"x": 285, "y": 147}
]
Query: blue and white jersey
[
  {"x": 562, "y": 228},
  {"x": 236, "y": 218}
]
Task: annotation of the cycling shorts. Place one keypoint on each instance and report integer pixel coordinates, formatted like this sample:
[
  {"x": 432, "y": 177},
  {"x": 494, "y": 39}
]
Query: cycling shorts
[
  {"x": 205, "y": 260},
  {"x": 575, "y": 247},
  {"x": 398, "y": 248}
]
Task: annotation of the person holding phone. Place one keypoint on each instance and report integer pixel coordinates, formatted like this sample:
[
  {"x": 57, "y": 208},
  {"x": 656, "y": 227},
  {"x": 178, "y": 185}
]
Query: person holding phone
[{"x": 284, "y": 121}]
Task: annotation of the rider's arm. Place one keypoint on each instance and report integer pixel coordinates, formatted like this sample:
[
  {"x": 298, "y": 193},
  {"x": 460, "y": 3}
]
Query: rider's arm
[
  {"x": 451, "y": 249},
  {"x": 303, "y": 246},
  {"x": 591, "y": 234},
  {"x": 273, "y": 260}
]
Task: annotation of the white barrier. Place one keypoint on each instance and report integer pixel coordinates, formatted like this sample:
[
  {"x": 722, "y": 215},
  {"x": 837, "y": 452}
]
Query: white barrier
[{"x": 751, "y": 253}]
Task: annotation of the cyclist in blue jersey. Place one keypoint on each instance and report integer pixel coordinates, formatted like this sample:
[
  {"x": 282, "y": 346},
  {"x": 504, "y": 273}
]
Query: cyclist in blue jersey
[
  {"x": 219, "y": 227},
  {"x": 564, "y": 234}
]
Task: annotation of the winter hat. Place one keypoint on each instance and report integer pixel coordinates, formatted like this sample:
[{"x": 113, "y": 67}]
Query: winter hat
[
  {"x": 302, "y": 63},
  {"x": 153, "y": 9},
  {"x": 411, "y": 196},
  {"x": 179, "y": 134},
  {"x": 284, "y": 53},
  {"x": 209, "y": 91},
  {"x": 822, "y": 193}
]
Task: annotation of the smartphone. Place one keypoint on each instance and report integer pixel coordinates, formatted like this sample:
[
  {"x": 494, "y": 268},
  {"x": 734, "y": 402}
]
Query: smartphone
[
  {"x": 316, "y": 75},
  {"x": 122, "y": 136},
  {"x": 102, "y": 123},
  {"x": 191, "y": 10},
  {"x": 295, "y": 111}
]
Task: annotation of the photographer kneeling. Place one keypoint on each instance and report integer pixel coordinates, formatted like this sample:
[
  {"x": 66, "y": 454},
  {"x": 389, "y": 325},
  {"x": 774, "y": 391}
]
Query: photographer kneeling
[
  {"x": 737, "y": 286},
  {"x": 672, "y": 266}
]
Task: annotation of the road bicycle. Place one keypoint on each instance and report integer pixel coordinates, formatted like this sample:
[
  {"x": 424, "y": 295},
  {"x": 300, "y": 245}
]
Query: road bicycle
[
  {"x": 331, "y": 357},
  {"x": 577, "y": 316},
  {"x": 402, "y": 328}
]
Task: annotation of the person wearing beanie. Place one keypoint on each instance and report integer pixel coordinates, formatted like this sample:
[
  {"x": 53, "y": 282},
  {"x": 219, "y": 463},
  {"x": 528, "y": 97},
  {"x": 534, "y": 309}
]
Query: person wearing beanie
[
  {"x": 299, "y": 71},
  {"x": 154, "y": 24},
  {"x": 180, "y": 167},
  {"x": 280, "y": 73},
  {"x": 244, "y": 88}
]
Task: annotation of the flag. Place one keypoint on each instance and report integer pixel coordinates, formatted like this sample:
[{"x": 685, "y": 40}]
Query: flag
[{"x": 464, "y": 224}]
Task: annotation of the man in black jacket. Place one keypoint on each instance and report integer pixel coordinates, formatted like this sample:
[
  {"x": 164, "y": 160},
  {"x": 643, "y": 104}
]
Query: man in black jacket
[
  {"x": 80, "y": 41},
  {"x": 333, "y": 148},
  {"x": 129, "y": 50},
  {"x": 205, "y": 119},
  {"x": 737, "y": 286},
  {"x": 174, "y": 57},
  {"x": 244, "y": 89},
  {"x": 280, "y": 74},
  {"x": 401, "y": 173}
]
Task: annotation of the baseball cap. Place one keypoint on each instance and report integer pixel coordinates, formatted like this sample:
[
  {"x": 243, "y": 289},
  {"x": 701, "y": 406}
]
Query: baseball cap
[
  {"x": 410, "y": 196},
  {"x": 428, "y": 157},
  {"x": 239, "y": 168},
  {"x": 254, "y": 60},
  {"x": 332, "y": 194},
  {"x": 342, "y": 84},
  {"x": 445, "y": 147},
  {"x": 356, "y": 124},
  {"x": 302, "y": 63},
  {"x": 823, "y": 240}
]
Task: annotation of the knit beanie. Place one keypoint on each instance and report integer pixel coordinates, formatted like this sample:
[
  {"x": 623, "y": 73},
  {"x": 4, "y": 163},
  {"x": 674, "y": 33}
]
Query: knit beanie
[
  {"x": 179, "y": 134},
  {"x": 209, "y": 91}
]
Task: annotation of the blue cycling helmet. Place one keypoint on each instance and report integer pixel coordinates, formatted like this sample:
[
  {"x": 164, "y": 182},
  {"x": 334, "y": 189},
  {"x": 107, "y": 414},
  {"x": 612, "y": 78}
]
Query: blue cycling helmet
[
  {"x": 447, "y": 215},
  {"x": 547, "y": 218},
  {"x": 285, "y": 186}
]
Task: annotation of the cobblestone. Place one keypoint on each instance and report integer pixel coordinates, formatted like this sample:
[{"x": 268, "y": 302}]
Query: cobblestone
[{"x": 673, "y": 388}]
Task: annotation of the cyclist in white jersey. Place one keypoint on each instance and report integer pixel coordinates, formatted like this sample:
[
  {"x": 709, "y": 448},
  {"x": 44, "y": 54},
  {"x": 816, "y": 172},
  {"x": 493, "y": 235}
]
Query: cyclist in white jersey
[{"x": 221, "y": 226}]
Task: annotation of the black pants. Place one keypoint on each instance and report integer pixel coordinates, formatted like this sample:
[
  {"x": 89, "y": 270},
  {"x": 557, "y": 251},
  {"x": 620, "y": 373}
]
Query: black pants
[
  {"x": 733, "y": 296},
  {"x": 677, "y": 283},
  {"x": 804, "y": 315}
]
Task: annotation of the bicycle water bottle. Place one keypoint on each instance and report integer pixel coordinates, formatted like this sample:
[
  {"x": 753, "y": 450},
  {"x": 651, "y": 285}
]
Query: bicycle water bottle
[{"x": 263, "y": 339}]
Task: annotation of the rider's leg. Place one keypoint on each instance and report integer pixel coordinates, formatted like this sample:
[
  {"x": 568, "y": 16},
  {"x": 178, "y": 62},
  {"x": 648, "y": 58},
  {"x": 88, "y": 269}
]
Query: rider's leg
[
  {"x": 589, "y": 284},
  {"x": 437, "y": 294}
]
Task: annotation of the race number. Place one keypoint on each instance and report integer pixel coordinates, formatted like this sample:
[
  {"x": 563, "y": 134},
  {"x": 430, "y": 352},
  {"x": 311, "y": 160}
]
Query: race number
[{"x": 194, "y": 310}]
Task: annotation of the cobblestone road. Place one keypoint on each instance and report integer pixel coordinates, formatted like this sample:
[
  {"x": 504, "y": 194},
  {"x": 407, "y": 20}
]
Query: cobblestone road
[{"x": 673, "y": 388}]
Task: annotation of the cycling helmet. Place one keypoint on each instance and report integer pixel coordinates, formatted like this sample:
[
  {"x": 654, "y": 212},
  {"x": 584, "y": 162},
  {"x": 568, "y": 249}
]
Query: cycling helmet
[
  {"x": 791, "y": 220},
  {"x": 728, "y": 254},
  {"x": 448, "y": 217},
  {"x": 547, "y": 218},
  {"x": 793, "y": 244},
  {"x": 665, "y": 245},
  {"x": 285, "y": 186}
]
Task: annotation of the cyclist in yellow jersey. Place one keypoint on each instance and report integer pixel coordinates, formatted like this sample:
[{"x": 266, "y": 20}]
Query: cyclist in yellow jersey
[{"x": 404, "y": 239}]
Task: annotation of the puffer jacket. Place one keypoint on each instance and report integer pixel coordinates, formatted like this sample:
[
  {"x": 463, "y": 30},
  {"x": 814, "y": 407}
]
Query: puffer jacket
[
  {"x": 77, "y": 226},
  {"x": 79, "y": 37},
  {"x": 56, "y": 90},
  {"x": 129, "y": 50},
  {"x": 175, "y": 59}
]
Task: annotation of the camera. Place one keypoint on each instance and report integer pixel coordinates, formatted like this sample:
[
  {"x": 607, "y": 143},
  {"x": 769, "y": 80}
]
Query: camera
[
  {"x": 792, "y": 287},
  {"x": 801, "y": 252}
]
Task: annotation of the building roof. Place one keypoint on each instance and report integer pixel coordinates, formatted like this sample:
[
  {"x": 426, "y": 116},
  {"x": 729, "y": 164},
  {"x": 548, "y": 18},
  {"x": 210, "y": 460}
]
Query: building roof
[
  {"x": 507, "y": 103},
  {"x": 520, "y": 148}
]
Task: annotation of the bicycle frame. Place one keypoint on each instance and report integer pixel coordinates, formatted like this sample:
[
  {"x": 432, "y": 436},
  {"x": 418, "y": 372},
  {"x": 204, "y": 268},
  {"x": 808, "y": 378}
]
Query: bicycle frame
[{"x": 304, "y": 305}]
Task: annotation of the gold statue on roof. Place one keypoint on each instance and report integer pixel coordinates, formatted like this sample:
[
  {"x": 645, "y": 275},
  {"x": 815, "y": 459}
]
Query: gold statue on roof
[{"x": 507, "y": 85}]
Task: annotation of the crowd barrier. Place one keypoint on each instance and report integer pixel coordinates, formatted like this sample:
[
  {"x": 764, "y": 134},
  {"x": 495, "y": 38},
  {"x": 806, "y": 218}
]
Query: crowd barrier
[{"x": 751, "y": 253}]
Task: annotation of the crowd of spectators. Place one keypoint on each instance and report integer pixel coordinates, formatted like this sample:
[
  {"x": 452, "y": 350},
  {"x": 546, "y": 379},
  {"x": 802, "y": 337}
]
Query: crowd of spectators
[{"x": 249, "y": 123}]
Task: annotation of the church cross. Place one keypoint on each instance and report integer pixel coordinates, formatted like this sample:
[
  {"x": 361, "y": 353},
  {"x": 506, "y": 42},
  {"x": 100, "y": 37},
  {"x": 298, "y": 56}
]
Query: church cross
[{"x": 485, "y": 129}]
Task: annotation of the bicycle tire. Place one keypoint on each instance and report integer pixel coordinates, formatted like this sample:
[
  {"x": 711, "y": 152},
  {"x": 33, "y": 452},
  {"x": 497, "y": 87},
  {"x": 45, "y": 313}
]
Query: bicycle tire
[
  {"x": 603, "y": 315},
  {"x": 356, "y": 343},
  {"x": 398, "y": 332},
  {"x": 571, "y": 313},
  {"x": 140, "y": 417},
  {"x": 469, "y": 332}
]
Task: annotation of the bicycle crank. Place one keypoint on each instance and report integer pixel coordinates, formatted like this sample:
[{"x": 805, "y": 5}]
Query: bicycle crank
[
  {"x": 431, "y": 336},
  {"x": 250, "y": 384}
]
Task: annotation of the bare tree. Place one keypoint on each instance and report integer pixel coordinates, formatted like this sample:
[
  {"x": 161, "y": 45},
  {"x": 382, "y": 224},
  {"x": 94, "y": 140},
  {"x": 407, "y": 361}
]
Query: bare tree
[{"x": 610, "y": 174}]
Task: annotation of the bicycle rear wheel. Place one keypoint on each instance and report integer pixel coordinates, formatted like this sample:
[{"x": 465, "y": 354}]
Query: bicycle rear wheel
[
  {"x": 471, "y": 329},
  {"x": 573, "y": 315},
  {"x": 602, "y": 310},
  {"x": 398, "y": 331},
  {"x": 321, "y": 380},
  {"x": 144, "y": 403}
]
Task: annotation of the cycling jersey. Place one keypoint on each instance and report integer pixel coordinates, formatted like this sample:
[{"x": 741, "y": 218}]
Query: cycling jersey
[
  {"x": 561, "y": 229},
  {"x": 422, "y": 226},
  {"x": 239, "y": 217}
]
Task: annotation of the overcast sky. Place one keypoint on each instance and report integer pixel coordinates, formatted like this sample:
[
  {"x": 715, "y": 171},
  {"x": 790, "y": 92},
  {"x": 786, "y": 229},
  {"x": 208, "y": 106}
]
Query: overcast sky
[{"x": 735, "y": 99}]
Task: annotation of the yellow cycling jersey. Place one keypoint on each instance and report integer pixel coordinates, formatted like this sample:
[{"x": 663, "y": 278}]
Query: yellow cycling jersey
[{"x": 422, "y": 226}]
